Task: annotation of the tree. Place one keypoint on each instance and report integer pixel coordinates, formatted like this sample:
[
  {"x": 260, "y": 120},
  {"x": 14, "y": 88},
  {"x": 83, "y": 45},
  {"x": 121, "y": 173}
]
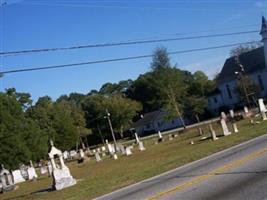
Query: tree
[
  {"x": 160, "y": 59},
  {"x": 121, "y": 109},
  {"x": 247, "y": 89},
  {"x": 143, "y": 90},
  {"x": 21, "y": 138},
  {"x": 244, "y": 48}
]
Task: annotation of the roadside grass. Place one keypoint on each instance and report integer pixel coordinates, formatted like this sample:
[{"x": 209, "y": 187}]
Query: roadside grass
[{"x": 95, "y": 179}]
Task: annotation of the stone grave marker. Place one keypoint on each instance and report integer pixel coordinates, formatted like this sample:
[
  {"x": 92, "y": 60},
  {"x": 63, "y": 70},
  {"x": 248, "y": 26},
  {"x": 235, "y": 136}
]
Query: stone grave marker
[
  {"x": 225, "y": 128},
  {"x": 262, "y": 109},
  {"x": 73, "y": 154},
  {"x": 24, "y": 171},
  {"x": 160, "y": 139},
  {"x": 17, "y": 177},
  {"x": 61, "y": 175},
  {"x": 232, "y": 114},
  {"x": 128, "y": 150},
  {"x": 223, "y": 116},
  {"x": 66, "y": 155},
  {"x": 6, "y": 181},
  {"x": 141, "y": 146},
  {"x": 235, "y": 128},
  {"x": 213, "y": 134},
  {"x": 43, "y": 170},
  {"x": 97, "y": 157},
  {"x": 49, "y": 167},
  {"x": 31, "y": 172}
]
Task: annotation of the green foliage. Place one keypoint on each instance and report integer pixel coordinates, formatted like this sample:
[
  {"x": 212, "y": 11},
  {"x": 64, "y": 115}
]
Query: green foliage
[
  {"x": 122, "y": 111},
  {"x": 21, "y": 138}
]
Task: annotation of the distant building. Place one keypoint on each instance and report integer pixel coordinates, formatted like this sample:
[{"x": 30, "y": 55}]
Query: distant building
[
  {"x": 156, "y": 121},
  {"x": 255, "y": 66}
]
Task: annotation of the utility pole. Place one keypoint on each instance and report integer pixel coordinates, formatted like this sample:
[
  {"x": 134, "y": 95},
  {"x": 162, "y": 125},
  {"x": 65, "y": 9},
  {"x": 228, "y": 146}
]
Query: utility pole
[{"x": 111, "y": 129}]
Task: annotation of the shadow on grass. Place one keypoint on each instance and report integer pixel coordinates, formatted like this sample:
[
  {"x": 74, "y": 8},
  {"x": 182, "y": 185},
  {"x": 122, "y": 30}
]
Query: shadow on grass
[{"x": 44, "y": 191}]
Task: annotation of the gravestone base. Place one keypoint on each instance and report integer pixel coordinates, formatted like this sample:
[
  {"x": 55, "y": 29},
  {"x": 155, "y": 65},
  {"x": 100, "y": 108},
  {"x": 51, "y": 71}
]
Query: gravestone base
[
  {"x": 7, "y": 188},
  {"x": 62, "y": 179}
]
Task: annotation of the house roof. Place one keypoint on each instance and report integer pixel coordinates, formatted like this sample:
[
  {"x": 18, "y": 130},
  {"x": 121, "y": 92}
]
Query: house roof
[
  {"x": 148, "y": 118},
  {"x": 252, "y": 61}
]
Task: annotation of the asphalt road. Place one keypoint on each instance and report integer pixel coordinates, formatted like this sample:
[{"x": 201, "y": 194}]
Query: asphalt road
[{"x": 238, "y": 173}]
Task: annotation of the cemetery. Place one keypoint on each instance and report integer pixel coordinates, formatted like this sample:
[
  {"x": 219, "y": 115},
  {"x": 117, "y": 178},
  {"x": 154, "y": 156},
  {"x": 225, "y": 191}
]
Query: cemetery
[{"x": 88, "y": 173}]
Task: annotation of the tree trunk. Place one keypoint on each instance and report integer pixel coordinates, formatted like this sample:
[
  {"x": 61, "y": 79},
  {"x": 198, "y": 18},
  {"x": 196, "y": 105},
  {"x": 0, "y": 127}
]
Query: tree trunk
[{"x": 100, "y": 133}]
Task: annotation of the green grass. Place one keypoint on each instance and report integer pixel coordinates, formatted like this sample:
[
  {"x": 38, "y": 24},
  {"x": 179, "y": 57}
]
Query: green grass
[{"x": 95, "y": 179}]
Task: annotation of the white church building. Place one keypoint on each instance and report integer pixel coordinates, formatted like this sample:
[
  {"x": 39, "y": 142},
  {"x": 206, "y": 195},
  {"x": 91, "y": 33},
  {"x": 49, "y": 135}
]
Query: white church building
[{"x": 254, "y": 64}]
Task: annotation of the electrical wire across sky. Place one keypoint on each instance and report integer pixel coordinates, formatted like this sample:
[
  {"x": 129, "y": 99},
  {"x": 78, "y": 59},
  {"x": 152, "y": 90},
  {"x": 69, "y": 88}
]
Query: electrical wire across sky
[
  {"x": 27, "y": 69},
  {"x": 123, "y": 43}
]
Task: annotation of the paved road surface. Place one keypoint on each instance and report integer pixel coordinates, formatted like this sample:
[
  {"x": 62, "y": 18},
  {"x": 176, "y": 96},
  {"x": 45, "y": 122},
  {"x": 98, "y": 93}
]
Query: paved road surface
[{"x": 238, "y": 173}]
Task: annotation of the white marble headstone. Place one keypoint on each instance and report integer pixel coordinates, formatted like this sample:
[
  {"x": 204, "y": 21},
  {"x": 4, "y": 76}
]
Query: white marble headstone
[
  {"x": 6, "y": 180},
  {"x": 32, "y": 173},
  {"x": 225, "y": 128},
  {"x": 213, "y": 134},
  {"x": 159, "y": 134},
  {"x": 61, "y": 175},
  {"x": 17, "y": 177},
  {"x": 97, "y": 157},
  {"x": 128, "y": 150},
  {"x": 141, "y": 146}
]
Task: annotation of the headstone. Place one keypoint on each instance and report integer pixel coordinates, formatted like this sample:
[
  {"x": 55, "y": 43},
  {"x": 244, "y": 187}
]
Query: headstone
[
  {"x": 24, "y": 171},
  {"x": 223, "y": 116},
  {"x": 32, "y": 173},
  {"x": 141, "y": 146},
  {"x": 110, "y": 149},
  {"x": 235, "y": 128},
  {"x": 50, "y": 169},
  {"x": 128, "y": 150},
  {"x": 121, "y": 148},
  {"x": 43, "y": 170},
  {"x": 98, "y": 150},
  {"x": 17, "y": 177},
  {"x": 225, "y": 128},
  {"x": 72, "y": 154},
  {"x": 159, "y": 134},
  {"x": 192, "y": 142},
  {"x": 81, "y": 153},
  {"x": 262, "y": 109},
  {"x": 213, "y": 134},
  {"x": 97, "y": 157},
  {"x": 115, "y": 157},
  {"x": 136, "y": 138},
  {"x": 103, "y": 148},
  {"x": 61, "y": 175},
  {"x": 6, "y": 181},
  {"x": 66, "y": 155},
  {"x": 246, "y": 110},
  {"x": 232, "y": 114}
]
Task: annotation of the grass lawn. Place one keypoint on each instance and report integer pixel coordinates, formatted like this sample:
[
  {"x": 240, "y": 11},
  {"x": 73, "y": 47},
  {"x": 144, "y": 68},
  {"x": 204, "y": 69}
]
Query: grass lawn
[{"x": 95, "y": 179}]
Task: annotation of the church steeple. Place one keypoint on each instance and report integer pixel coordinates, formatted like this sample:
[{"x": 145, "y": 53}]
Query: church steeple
[{"x": 263, "y": 26}]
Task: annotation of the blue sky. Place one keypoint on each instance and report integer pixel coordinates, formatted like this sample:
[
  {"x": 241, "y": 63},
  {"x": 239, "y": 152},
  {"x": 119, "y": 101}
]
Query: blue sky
[{"x": 33, "y": 24}]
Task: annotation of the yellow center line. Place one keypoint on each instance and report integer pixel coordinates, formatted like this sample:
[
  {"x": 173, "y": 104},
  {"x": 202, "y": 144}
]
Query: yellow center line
[{"x": 201, "y": 178}]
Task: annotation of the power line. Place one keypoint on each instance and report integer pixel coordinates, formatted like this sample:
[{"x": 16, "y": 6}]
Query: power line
[
  {"x": 120, "y": 59},
  {"x": 123, "y": 43}
]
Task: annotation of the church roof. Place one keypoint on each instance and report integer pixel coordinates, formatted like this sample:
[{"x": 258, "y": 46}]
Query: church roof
[
  {"x": 252, "y": 61},
  {"x": 263, "y": 25}
]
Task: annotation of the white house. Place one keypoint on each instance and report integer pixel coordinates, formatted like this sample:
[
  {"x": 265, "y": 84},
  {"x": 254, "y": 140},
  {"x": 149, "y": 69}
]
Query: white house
[
  {"x": 255, "y": 66},
  {"x": 156, "y": 121}
]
